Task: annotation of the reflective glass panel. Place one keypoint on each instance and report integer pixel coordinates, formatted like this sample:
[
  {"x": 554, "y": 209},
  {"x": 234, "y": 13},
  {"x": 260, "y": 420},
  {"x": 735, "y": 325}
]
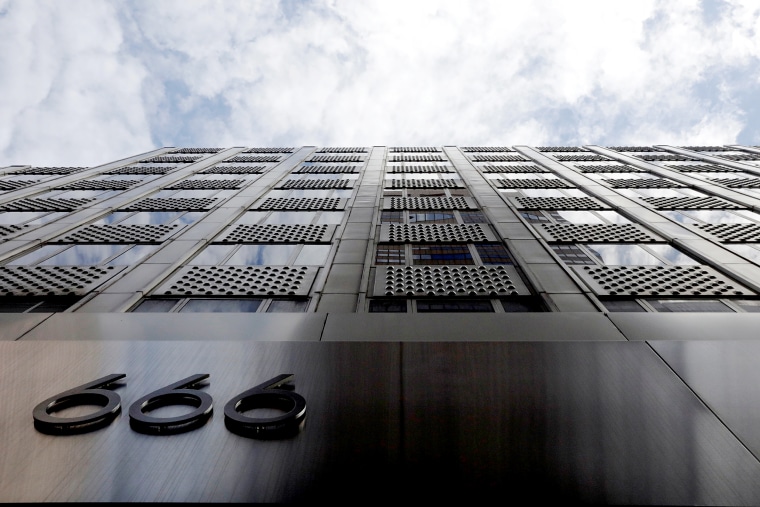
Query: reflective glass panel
[
  {"x": 254, "y": 255},
  {"x": 212, "y": 255},
  {"x": 221, "y": 305},
  {"x": 133, "y": 255},
  {"x": 84, "y": 255},
  {"x": 156, "y": 306},
  {"x": 35, "y": 256},
  {"x": 330, "y": 217},
  {"x": 287, "y": 306},
  {"x": 312, "y": 255},
  {"x": 624, "y": 255},
  {"x": 673, "y": 255},
  {"x": 290, "y": 217},
  {"x": 669, "y": 305}
]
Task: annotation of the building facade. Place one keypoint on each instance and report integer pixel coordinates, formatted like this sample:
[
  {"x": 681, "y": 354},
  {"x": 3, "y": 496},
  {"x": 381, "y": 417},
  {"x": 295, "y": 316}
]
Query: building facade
[{"x": 571, "y": 323}]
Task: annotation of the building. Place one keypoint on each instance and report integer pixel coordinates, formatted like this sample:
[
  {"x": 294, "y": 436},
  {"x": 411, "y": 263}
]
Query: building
[{"x": 569, "y": 323}]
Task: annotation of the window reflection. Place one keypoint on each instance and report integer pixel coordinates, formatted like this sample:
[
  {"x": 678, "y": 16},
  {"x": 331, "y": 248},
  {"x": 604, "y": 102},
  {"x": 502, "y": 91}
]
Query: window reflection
[
  {"x": 85, "y": 255},
  {"x": 254, "y": 255}
]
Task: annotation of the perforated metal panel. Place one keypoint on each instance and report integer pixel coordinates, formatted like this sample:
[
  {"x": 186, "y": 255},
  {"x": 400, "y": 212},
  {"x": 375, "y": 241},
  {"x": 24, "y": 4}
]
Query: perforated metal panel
[
  {"x": 557, "y": 203},
  {"x": 658, "y": 281},
  {"x": 428, "y": 203},
  {"x": 149, "y": 170},
  {"x": 196, "y": 150},
  {"x": 44, "y": 204},
  {"x": 343, "y": 149},
  {"x": 254, "y": 158},
  {"x": 5, "y": 230},
  {"x": 316, "y": 184},
  {"x": 513, "y": 169},
  {"x": 336, "y": 158},
  {"x": 608, "y": 168},
  {"x": 703, "y": 168},
  {"x": 168, "y": 204},
  {"x": 53, "y": 280},
  {"x": 118, "y": 233},
  {"x": 435, "y": 233},
  {"x": 560, "y": 149},
  {"x": 486, "y": 149},
  {"x": 733, "y": 233},
  {"x": 530, "y": 183},
  {"x": 99, "y": 185},
  {"x": 207, "y": 185},
  {"x": 739, "y": 157},
  {"x": 580, "y": 158},
  {"x": 414, "y": 149},
  {"x": 240, "y": 281},
  {"x": 278, "y": 233},
  {"x": 666, "y": 158},
  {"x": 50, "y": 170},
  {"x": 303, "y": 204},
  {"x": 269, "y": 150},
  {"x": 14, "y": 184},
  {"x": 595, "y": 233},
  {"x": 327, "y": 169},
  {"x": 690, "y": 203},
  {"x": 405, "y": 183},
  {"x": 420, "y": 169},
  {"x": 448, "y": 281},
  {"x": 417, "y": 158},
  {"x": 642, "y": 183},
  {"x": 737, "y": 182},
  {"x": 234, "y": 169},
  {"x": 172, "y": 159},
  {"x": 498, "y": 158}
]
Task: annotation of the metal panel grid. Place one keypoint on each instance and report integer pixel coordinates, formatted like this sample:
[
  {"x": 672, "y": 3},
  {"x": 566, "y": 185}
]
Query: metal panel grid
[
  {"x": 642, "y": 183},
  {"x": 737, "y": 182},
  {"x": 558, "y": 203},
  {"x": 44, "y": 204},
  {"x": 658, "y": 281},
  {"x": 420, "y": 169},
  {"x": 14, "y": 184},
  {"x": 595, "y": 233},
  {"x": 690, "y": 203},
  {"x": 169, "y": 204},
  {"x": 531, "y": 183},
  {"x": 148, "y": 170},
  {"x": 316, "y": 184},
  {"x": 412, "y": 183},
  {"x": 448, "y": 281},
  {"x": 240, "y": 281},
  {"x": 278, "y": 233},
  {"x": 608, "y": 168},
  {"x": 207, "y": 185},
  {"x": 512, "y": 169},
  {"x": 303, "y": 204},
  {"x": 99, "y": 185},
  {"x": 234, "y": 169},
  {"x": 121, "y": 234},
  {"x": 53, "y": 280},
  {"x": 327, "y": 169},
  {"x": 733, "y": 233},
  {"x": 429, "y": 203},
  {"x": 435, "y": 233}
]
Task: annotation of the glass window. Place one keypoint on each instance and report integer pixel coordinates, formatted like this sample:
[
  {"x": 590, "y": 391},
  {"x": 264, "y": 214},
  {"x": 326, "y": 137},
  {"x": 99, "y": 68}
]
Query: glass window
[
  {"x": 392, "y": 217},
  {"x": 465, "y": 305},
  {"x": 441, "y": 254},
  {"x": 288, "y": 306},
  {"x": 34, "y": 304},
  {"x": 390, "y": 254},
  {"x": 387, "y": 306},
  {"x": 674, "y": 305},
  {"x": 221, "y": 305},
  {"x": 521, "y": 305},
  {"x": 473, "y": 217},
  {"x": 254, "y": 255},
  {"x": 493, "y": 253},
  {"x": 312, "y": 255},
  {"x": 156, "y": 306},
  {"x": 623, "y": 305},
  {"x": 433, "y": 218}
]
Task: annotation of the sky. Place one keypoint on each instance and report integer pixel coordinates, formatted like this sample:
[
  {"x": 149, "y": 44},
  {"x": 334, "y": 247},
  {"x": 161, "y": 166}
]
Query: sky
[{"x": 85, "y": 82}]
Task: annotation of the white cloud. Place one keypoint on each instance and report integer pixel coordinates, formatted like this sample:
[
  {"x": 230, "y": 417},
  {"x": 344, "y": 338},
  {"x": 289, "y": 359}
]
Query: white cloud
[{"x": 96, "y": 81}]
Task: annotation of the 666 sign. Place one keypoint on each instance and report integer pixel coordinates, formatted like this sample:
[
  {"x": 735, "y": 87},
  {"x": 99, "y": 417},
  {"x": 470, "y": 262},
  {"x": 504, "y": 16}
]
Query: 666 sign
[{"x": 275, "y": 393}]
